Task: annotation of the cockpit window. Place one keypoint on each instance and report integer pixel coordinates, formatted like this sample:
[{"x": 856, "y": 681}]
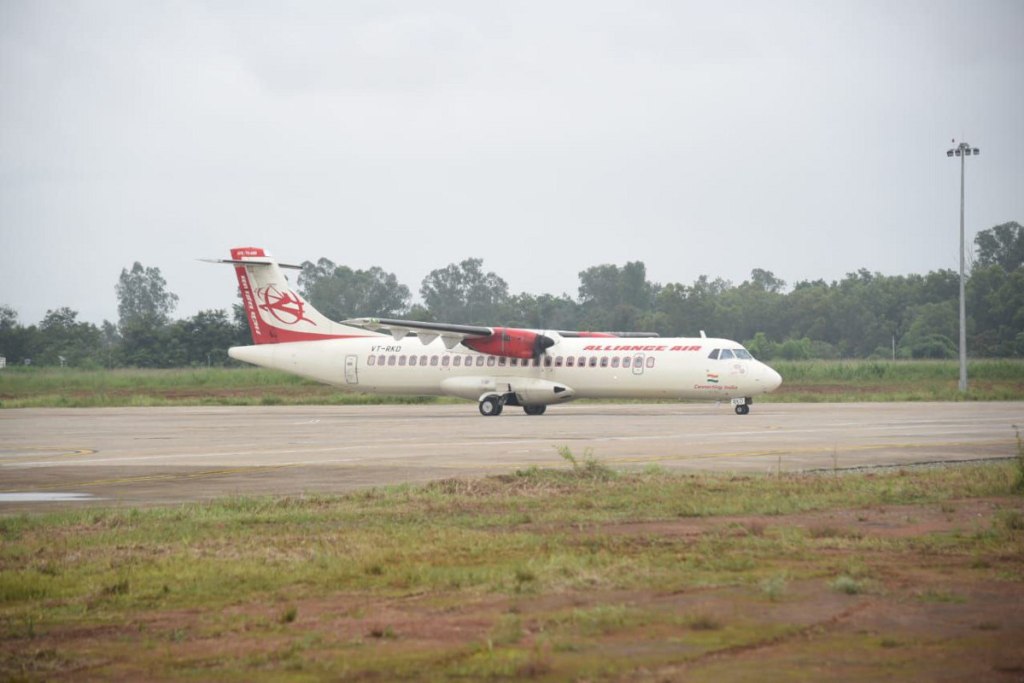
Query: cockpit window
[
  {"x": 725, "y": 355},
  {"x": 713, "y": 355},
  {"x": 743, "y": 353}
]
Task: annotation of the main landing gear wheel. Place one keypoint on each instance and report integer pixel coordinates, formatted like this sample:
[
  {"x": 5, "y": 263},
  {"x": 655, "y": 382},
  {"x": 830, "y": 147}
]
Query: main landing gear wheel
[
  {"x": 534, "y": 410},
  {"x": 491, "y": 406},
  {"x": 742, "y": 409}
]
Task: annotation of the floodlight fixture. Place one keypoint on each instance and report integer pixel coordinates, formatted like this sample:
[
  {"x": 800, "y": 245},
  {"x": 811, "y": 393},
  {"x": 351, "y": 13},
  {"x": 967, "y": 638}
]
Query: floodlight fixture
[{"x": 962, "y": 150}]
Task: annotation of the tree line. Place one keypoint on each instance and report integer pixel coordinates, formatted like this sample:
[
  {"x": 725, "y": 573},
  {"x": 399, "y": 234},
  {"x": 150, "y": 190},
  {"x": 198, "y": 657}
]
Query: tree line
[{"x": 863, "y": 315}]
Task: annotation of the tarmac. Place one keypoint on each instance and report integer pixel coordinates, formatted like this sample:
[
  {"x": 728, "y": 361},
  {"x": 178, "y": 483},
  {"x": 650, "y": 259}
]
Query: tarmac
[{"x": 52, "y": 459}]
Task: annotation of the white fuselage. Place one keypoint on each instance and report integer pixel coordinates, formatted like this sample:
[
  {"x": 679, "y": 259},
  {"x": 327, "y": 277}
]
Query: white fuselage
[{"x": 586, "y": 367}]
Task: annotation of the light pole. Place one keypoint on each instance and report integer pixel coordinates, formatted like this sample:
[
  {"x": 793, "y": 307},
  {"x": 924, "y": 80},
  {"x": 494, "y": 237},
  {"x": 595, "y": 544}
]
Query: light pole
[{"x": 963, "y": 150}]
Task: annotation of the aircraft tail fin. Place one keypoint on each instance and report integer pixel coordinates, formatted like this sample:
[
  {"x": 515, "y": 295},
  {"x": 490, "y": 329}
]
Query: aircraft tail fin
[{"x": 276, "y": 313}]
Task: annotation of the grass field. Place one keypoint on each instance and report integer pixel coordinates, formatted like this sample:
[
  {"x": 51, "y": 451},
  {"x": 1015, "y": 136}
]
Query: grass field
[
  {"x": 579, "y": 573},
  {"x": 990, "y": 380}
]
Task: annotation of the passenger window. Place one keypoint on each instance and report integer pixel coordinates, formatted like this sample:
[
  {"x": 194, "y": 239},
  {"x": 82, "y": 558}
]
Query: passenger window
[
  {"x": 479, "y": 361},
  {"x": 433, "y": 361},
  {"x": 381, "y": 360},
  {"x": 604, "y": 362},
  {"x": 412, "y": 360},
  {"x": 547, "y": 361},
  {"x": 593, "y": 361},
  {"x": 627, "y": 361},
  {"x": 444, "y": 361},
  {"x": 371, "y": 360},
  {"x": 583, "y": 362},
  {"x": 558, "y": 361},
  {"x": 713, "y": 355},
  {"x": 650, "y": 361},
  {"x": 570, "y": 361},
  {"x": 457, "y": 361},
  {"x": 726, "y": 354},
  {"x": 490, "y": 361},
  {"x": 502, "y": 361},
  {"x": 401, "y": 360},
  {"x": 392, "y": 360},
  {"x": 615, "y": 362}
]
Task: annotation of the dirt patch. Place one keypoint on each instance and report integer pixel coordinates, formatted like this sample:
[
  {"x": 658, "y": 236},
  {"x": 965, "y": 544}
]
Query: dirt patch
[
  {"x": 896, "y": 521},
  {"x": 909, "y": 612}
]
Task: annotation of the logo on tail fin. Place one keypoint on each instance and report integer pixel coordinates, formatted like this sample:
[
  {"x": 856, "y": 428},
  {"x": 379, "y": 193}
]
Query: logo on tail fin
[{"x": 284, "y": 306}]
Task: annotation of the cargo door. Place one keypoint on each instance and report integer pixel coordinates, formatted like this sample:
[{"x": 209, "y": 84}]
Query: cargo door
[{"x": 352, "y": 369}]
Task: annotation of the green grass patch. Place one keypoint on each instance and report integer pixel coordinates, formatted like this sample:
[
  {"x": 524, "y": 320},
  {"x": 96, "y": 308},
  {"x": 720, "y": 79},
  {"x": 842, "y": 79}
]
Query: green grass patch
[
  {"x": 132, "y": 387},
  {"x": 804, "y": 381},
  {"x": 301, "y": 586},
  {"x": 876, "y": 380}
]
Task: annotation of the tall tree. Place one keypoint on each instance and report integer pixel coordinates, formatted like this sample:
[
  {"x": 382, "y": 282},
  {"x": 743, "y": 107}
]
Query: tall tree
[
  {"x": 340, "y": 292},
  {"x": 203, "y": 339},
  {"x": 17, "y": 343},
  {"x": 932, "y": 331},
  {"x": 62, "y": 336},
  {"x": 765, "y": 281},
  {"x": 543, "y": 312},
  {"x": 144, "y": 306},
  {"x": 608, "y": 286},
  {"x": 142, "y": 296},
  {"x": 1001, "y": 246},
  {"x": 614, "y": 298},
  {"x": 995, "y": 307},
  {"x": 464, "y": 293}
]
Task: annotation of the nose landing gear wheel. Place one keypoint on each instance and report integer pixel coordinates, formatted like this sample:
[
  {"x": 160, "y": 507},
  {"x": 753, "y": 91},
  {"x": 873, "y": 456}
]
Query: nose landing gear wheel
[{"x": 491, "y": 406}]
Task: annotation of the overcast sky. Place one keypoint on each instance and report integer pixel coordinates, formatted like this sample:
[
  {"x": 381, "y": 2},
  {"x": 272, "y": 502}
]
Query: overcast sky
[{"x": 805, "y": 138}]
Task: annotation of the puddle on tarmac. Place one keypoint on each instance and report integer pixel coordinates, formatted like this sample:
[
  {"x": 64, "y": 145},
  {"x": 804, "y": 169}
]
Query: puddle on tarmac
[{"x": 44, "y": 497}]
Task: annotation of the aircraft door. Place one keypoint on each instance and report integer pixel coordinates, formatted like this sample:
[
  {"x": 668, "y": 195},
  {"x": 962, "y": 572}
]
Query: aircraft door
[
  {"x": 638, "y": 364},
  {"x": 352, "y": 369}
]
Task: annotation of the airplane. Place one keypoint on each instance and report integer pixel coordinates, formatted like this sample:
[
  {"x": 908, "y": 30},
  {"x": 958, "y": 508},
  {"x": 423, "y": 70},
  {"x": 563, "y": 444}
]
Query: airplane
[{"x": 494, "y": 366}]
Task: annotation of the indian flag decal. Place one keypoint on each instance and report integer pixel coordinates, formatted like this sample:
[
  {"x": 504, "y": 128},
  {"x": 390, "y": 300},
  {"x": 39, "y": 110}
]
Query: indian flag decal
[{"x": 712, "y": 378}]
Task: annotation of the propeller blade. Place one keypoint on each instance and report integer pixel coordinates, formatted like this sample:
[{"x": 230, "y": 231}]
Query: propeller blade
[{"x": 541, "y": 344}]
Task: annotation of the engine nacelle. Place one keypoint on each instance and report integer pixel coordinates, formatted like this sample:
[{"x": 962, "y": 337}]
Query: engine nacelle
[
  {"x": 511, "y": 342},
  {"x": 471, "y": 387},
  {"x": 517, "y": 391},
  {"x": 539, "y": 392}
]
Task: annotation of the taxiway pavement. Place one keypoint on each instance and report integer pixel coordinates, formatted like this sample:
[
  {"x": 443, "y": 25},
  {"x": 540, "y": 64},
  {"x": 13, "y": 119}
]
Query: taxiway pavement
[{"x": 53, "y": 458}]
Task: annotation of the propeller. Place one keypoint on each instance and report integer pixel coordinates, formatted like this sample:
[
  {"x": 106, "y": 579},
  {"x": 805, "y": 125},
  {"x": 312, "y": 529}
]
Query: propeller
[{"x": 541, "y": 344}]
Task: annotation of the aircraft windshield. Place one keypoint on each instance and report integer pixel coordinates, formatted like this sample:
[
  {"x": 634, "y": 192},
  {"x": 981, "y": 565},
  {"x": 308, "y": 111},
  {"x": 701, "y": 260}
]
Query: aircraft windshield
[{"x": 730, "y": 354}]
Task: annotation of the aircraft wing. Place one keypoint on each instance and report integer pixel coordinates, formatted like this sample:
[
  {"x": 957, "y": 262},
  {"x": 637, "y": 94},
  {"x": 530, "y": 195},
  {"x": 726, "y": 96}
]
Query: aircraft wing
[
  {"x": 451, "y": 334},
  {"x": 573, "y": 334},
  {"x": 498, "y": 341}
]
